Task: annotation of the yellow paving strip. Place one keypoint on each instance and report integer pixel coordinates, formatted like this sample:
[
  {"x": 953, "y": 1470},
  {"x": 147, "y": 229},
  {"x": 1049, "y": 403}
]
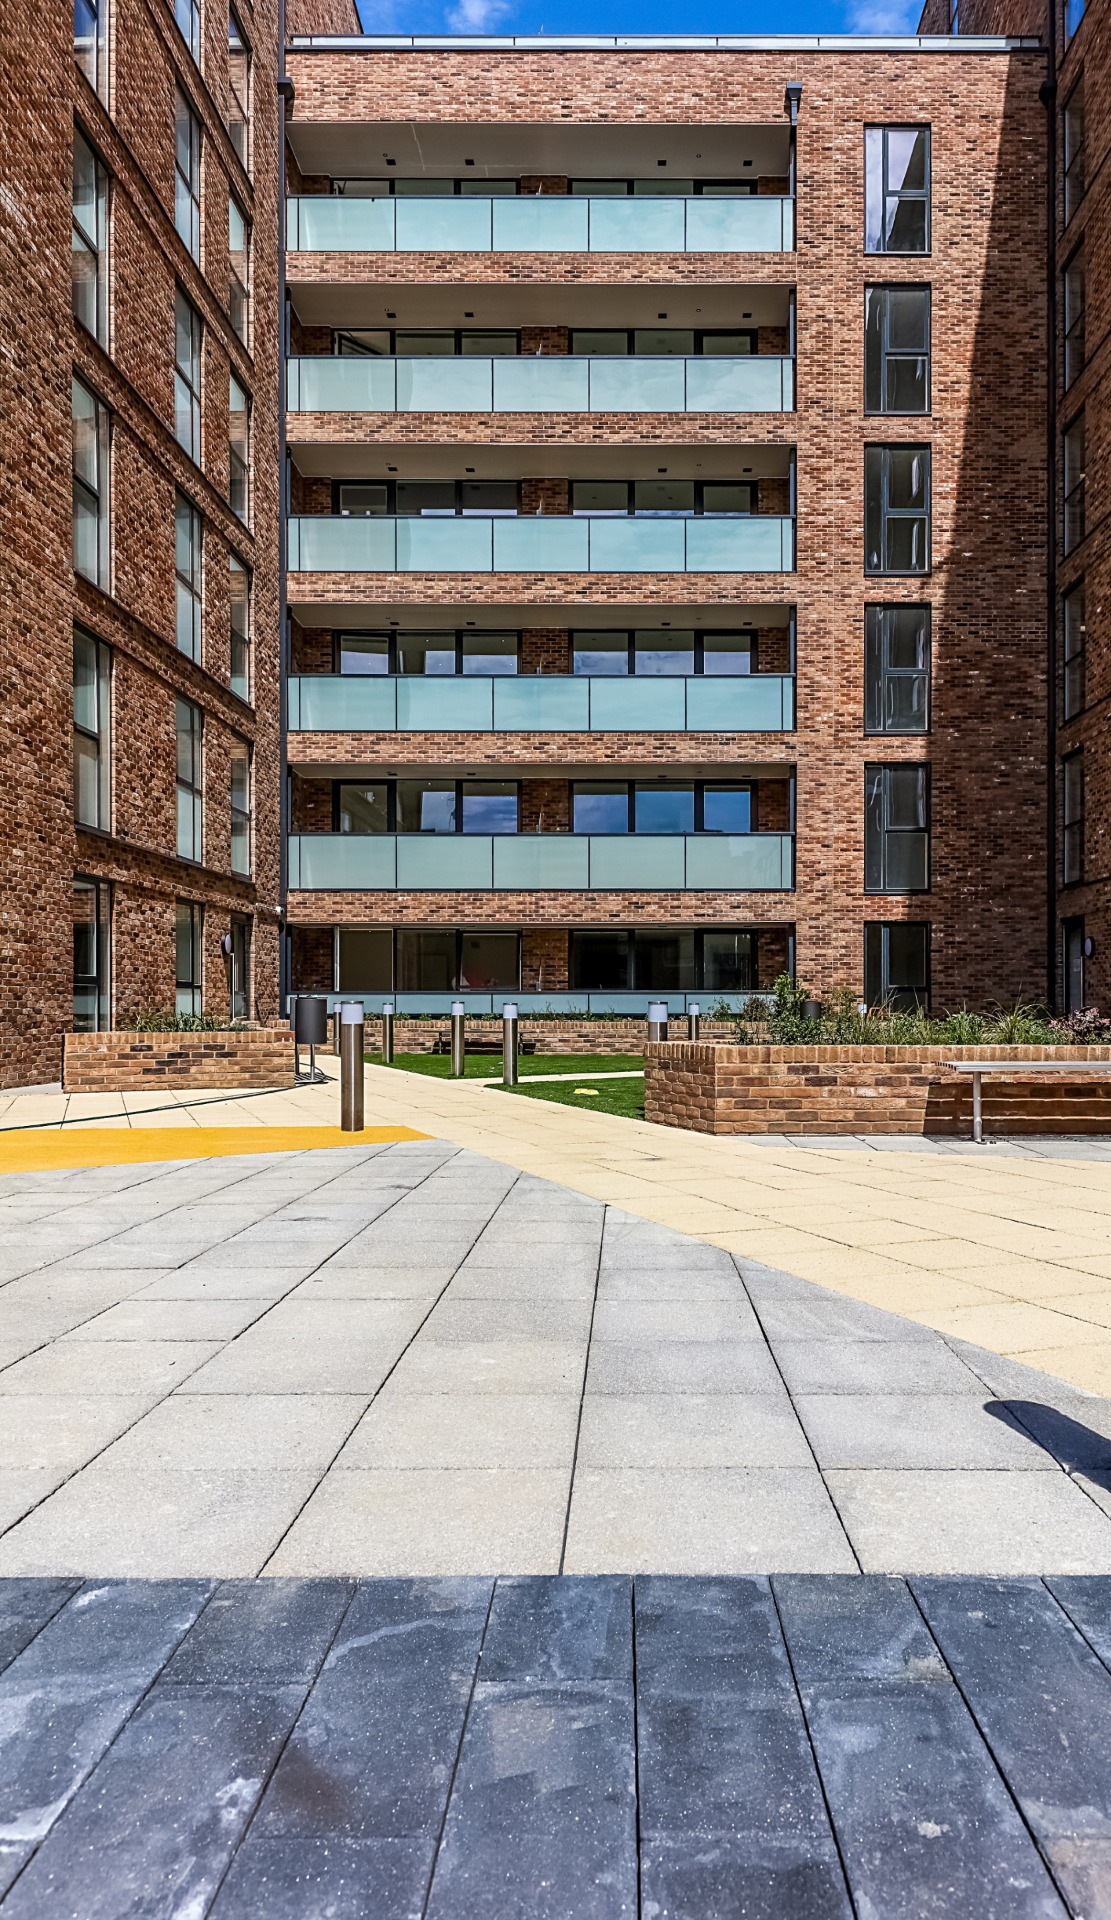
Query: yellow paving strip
[{"x": 39, "y": 1152}]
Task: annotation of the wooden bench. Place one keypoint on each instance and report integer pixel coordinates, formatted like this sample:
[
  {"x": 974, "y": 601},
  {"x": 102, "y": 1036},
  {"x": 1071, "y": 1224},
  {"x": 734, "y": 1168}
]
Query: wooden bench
[
  {"x": 1017, "y": 1070},
  {"x": 442, "y": 1044}
]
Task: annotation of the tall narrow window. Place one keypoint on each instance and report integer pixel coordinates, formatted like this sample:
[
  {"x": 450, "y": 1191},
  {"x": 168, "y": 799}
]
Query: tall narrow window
[
  {"x": 188, "y": 957},
  {"x": 1074, "y": 463},
  {"x": 189, "y": 578},
  {"x": 187, "y": 13},
  {"x": 1075, "y": 637},
  {"x": 896, "y": 829},
  {"x": 90, "y": 486},
  {"x": 188, "y": 338},
  {"x": 239, "y": 627},
  {"x": 239, "y": 449},
  {"x": 1074, "y": 14},
  {"x": 897, "y": 190},
  {"x": 897, "y": 349},
  {"x": 1074, "y": 142},
  {"x": 89, "y": 257},
  {"x": 897, "y": 965},
  {"x": 92, "y": 732},
  {"x": 896, "y": 669},
  {"x": 896, "y": 509},
  {"x": 92, "y": 948},
  {"x": 1072, "y": 796},
  {"x": 238, "y": 267},
  {"x": 189, "y": 723},
  {"x": 187, "y": 174},
  {"x": 239, "y": 88},
  {"x": 90, "y": 42},
  {"x": 240, "y": 783},
  {"x": 1075, "y": 302}
]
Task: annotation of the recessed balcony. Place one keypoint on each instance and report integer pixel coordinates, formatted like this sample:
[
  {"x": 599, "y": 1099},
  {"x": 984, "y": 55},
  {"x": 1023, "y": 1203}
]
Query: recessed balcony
[
  {"x": 540, "y": 223},
  {"x": 541, "y": 703},
  {"x": 529, "y": 862},
  {"x": 541, "y": 543},
  {"x": 548, "y": 383}
]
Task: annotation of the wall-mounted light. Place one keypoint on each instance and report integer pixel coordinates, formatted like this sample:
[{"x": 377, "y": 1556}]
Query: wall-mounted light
[{"x": 792, "y": 99}]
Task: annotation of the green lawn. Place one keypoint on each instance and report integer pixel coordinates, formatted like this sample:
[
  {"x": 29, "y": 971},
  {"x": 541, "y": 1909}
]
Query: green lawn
[
  {"x": 487, "y": 1066},
  {"x": 625, "y": 1097}
]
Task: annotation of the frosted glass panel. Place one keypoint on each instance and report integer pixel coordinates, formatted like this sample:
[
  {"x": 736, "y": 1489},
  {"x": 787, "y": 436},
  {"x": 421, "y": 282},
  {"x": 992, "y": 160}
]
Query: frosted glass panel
[
  {"x": 448, "y": 226},
  {"x": 541, "y": 860},
  {"x": 658, "y": 705},
  {"x": 540, "y": 701},
  {"x": 541, "y": 223},
  {"x": 636, "y": 546},
  {"x": 636, "y": 860}
]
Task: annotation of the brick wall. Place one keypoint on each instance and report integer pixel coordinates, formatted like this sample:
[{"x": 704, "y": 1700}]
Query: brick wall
[
  {"x": 828, "y": 1090},
  {"x": 123, "y": 1062}
]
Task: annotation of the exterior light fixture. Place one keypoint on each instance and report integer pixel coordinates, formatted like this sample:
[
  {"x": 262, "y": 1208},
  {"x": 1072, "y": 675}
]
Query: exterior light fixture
[{"x": 792, "y": 99}]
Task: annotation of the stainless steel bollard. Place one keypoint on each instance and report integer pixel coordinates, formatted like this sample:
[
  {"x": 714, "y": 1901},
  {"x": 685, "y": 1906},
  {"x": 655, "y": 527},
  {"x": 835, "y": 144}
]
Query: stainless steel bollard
[
  {"x": 509, "y": 1048},
  {"x": 657, "y": 1020},
  {"x": 352, "y": 1041},
  {"x": 337, "y": 1029},
  {"x": 387, "y": 1033},
  {"x": 458, "y": 1040},
  {"x": 694, "y": 1020}
]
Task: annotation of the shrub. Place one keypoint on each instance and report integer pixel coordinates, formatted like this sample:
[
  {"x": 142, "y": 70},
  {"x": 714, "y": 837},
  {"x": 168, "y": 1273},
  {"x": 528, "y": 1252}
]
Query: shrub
[
  {"x": 158, "y": 1020},
  {"x": 784, "y": 1023}
]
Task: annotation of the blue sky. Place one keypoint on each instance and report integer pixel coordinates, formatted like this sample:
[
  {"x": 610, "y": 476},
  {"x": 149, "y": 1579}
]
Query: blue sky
[{"x": 637, "y": 16}]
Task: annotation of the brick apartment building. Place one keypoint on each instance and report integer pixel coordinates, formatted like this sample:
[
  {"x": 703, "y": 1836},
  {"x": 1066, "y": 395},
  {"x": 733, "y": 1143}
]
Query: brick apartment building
[
  {"x": 670, "y": 594},
  {"x": 667, "y": 562}
]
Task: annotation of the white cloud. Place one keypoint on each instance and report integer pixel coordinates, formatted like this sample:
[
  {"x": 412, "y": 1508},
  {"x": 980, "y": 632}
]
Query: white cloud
[
  {"x": 884, "y": 16},
  {"x": 477, "y": 16}
]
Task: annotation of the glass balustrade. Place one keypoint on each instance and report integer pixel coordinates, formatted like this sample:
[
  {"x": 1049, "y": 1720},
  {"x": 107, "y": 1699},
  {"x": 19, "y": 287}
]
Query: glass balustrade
[
  {"x": 541, "y": 383},
  {"x": 541, "y": 543},
  {"x": 347, "y": 862},
  {"x": 541, "y": 703},
  {"x": 540, "y": 223}
]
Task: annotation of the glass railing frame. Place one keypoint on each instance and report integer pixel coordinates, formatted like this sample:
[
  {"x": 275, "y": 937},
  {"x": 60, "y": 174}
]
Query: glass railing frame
[
  {"x": 560, "y": 543},
  {"x": 590, "y": 382},
  {"x": 576, "y": 223},
  {"x": 580, "y": 703},
  {"x": 495, "y": 863}
]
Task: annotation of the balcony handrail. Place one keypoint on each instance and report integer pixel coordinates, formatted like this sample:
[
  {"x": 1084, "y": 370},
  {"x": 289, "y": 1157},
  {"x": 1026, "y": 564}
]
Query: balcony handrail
[
  {"x": 541, "y": 862},
  {"x": 541, "y": 223},
  {"x": 551, "y": 543},
  {"x": 541, "y": 703},
  {"x": 570, "y": 383}
]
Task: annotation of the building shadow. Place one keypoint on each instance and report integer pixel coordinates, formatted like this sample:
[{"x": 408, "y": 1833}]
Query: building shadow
[{"x": 1074, "y": 1446}]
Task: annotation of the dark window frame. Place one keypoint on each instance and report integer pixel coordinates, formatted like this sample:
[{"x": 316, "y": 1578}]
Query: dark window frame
[
  {"x": 696, "y": 513},
  {"x": 889, "y": 514},
  {"x": 700, "y": 935},
  {"x": 188, "y": 374},
  {"x": 1072, "y": 818},
  {"x": 191, "y": 982},
  {"x": 100, "y": 980},
  {"x": 92, "y": 499},
  {"x": 751, "y": 787},
  {"x": 880, "y": 849},
  {"x": 1074, "y": 516},
  {"x": 888, "y": 354},
  {"x": 241, "y": 805},
  {"x": 240, "y": 649},
  {"x": 187, "y": 17},
  {"x": 879, "y": 620},
  {"x": 99, "y": 735},
  {"x": 1074, "y": 630},
  {"x": 189, "y": 783},
  {"x": 1073, "y": 314},
  {"x": 187, "y": 175},
  {"x": 239, "y": 60},
  {"x": 395, "y": 637},
  {"x": 239, "y": 451},
  {"x": 92, "y": 244},
  {"x": 91, "y": 44},
  {"x": 391, "y": 786},
  {"x": 1074, "y": 148},
  {"x": 888, "y": 995},
  {"x": 913, "y": 194},
  {"x": 189, "y": 577}
]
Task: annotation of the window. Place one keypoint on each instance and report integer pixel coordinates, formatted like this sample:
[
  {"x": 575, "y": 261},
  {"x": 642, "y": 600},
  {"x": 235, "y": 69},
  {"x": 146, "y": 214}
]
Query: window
[
  {"x": 426, "y": 806},
  {"x": 239, "y": 764},
  {"x": 364, "y": 960},
  {"x": 663, "y": 960},
  {"x": 1075, "y": 635},
  {"x": 1072, "y": 784},
  {"x": 239, "y": 88},
  {"x": 188, "y": 956},
  {"x": 896, "y": 669},
  {"x": 92, "y": 947},
  {"x": 239, "y": 627},
  {"x": 1074, "y": 146},
  {"x": 1074, "y": 14},
  {"x": 238, "y": 267},
  {"x": 896, "y": 829},
  {"x": 897, "y": 349},
  {"x": 666, "y": 499},
  {"x": 896, "y": 509},
  {"x": 1075, "y": 295},
  {"x": 187, "y": 175},
  {"x": 658, "y": 652},
  {"x": 661, "y": 188},
  {"x": 897, "y": 965},
  {"x": 239, "y": 968},
  {"x": 189, "y": 722},
  {"x": 954, "y": 17},
  {"x": 1074, "y": 466},
  {"x": 187, "y": 567},
  {"x": 433, "y": 497},
  {"x": 90, "y": 42},
  {"x": 92, "y": 732},
  {"x": 188, "y": 338},
  {"x": 187, "y": 13},
  {"x": 90, "y": 486},
  {"x": 428, "y": 962},
  {"x": 662, "y": 806},
  {"x": 89, "y": 260},
  {"x": 239, "y": 449},
  {"x": 897, "y": 190}
]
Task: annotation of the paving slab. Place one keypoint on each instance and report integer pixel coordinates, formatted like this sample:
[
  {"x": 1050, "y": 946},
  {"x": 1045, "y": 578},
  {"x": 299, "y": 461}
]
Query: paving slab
[
  {"x": 698, "y": 1521},
  {"x": 971, "y": 1521},
  {"x": 441, "y": 1521}
]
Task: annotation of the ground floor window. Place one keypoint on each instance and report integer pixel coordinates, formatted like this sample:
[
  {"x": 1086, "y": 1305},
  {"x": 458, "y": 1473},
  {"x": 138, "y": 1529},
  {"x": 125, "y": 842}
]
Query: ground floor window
[
  {"x": 897, "y": 965},
  {"x": 239, "y": 967},
  {"x": 426, "y": 960},
  {"x": 92, "y": 952},
  {"x": 1072, "y": 953},
  {"x": 663, "y": 960},
  {"x": 188, "y": 948}
]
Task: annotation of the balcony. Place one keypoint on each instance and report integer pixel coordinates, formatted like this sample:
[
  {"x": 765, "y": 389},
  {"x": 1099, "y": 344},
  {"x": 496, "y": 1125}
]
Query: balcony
[
  {"x": 541, "y": 703},
  {"x": 528, "y": 862},
  {"x": 548, "y": 383},
  {"x": 540, "y": 223},
  {"x": 537, "y": 543}
]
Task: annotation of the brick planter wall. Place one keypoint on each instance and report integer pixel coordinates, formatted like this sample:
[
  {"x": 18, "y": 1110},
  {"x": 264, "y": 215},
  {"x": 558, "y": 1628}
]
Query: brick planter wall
[
  {"x": 732, "y": 1089},
  {"x": 129, "y": 1062},
  {"x": 551, "y": 1036}
]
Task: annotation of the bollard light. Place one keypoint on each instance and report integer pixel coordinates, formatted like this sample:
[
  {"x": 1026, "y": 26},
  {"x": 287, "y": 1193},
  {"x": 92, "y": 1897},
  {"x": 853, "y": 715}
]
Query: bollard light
[
  {"x": 387, "y": 1032},
  {"x": 657, "y": 1020},
  {"x": 509, "y": 1047},
  {"x": 694, "y": 1020},
  {"x": 458, "y": 1041},
  {"x": 352, "y": 1039}
]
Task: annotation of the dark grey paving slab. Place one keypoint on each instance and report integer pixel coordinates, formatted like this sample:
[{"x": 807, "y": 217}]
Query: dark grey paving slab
[
  {"x": 333, "y": 1879},
  {"x": 25, "y": 1608},
  {"x": 1043, "y": 1700},
  {"x": 922, "y": 1815},
  {"x": 261, "y": 1632}
]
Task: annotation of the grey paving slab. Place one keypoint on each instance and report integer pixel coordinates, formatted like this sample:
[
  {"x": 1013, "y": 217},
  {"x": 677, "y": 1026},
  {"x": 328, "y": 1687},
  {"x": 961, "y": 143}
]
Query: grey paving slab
[
  {"x": 915, "y": 1430},
  {"x": 491, "y": 1366},
  {"x": 297, "y": 1356},
  {"x": 672, "y": 1320},
  {"x": 348, "y": 1879},
  {"x": 214, "y": 1320},
  {"x": 817, "y": 1315},
  {"x": 624, "y": 1251},
  {"x": 917, "y": 1801},
  {"x": 259, "y": 1430},
  {"x": 672, "y": 1283},
  {"x": 691, "y": 1430},
  {"x": 459, "y": 1318},
  {"x": 115, "y": 1367},
  {"x": 510, "y": 1281},
  {"x": 704, "y": 1521},
  {"x": 62, "y": 1431},
  {"x": 682, "y": 1366},
  {"x": 330, "y": 1282},
  {"x": 365, "y": 1520},
  {"x": 464, "y": 1430},
  {"x": 1026, "y": 1674},
  {"x": 25, "y": 1608},
  {"x": 968, "y": 1521},
  {"x": 536, "y": 1263},
  {"x": 874, "y": 1366}
]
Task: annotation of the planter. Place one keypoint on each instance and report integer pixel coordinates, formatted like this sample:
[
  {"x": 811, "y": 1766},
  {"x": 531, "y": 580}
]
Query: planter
[
  {"x": 830, "y": 1090},
  {"x": 126, "y": 1062}
]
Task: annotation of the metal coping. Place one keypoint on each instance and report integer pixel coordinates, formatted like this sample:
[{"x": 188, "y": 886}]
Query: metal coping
[{"x": 649, "y": 43}]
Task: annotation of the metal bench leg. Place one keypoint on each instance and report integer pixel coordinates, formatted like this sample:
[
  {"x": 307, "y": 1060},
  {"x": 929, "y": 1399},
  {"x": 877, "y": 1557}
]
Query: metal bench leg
[{"x": 977, "y": 1111}]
